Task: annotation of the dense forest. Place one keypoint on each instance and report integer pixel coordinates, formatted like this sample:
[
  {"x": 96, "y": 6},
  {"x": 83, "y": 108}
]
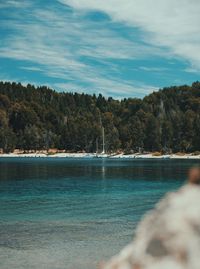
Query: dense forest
[{"x": 40, "y": 118}]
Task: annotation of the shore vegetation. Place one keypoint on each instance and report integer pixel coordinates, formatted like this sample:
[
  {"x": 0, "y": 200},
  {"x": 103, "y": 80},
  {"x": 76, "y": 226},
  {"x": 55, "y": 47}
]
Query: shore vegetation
[{"x": 38, "y": 118}]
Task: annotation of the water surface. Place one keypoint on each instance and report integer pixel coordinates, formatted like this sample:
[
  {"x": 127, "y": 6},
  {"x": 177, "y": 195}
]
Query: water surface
[{"x": 73, "y": 213}]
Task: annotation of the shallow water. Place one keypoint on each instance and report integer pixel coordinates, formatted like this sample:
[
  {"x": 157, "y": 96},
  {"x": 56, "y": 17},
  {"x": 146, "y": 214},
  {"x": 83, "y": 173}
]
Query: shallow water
[{"x": 74, "y": 213}]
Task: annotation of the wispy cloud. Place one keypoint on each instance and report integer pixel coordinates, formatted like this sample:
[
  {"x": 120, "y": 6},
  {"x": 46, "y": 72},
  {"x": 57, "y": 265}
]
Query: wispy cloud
[
  {"x": 191, "y": 70},
  {"x": 31, "y": 68},
  {"x": 173, "y": 23},
  {"x": 153, "y": 69},
  {"x": 14, "y": 4},
  {"x": 59, "y": 41},
  {"x": 65, "y": 46},
  {"x": 118, "y": 89}
]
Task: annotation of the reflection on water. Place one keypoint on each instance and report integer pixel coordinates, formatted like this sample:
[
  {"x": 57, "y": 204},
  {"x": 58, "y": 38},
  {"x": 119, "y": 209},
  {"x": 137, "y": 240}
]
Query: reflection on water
[{"x": 72, "y": 213}]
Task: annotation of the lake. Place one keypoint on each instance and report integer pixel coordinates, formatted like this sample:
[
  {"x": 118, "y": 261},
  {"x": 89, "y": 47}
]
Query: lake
[{"x": 74, "y": 213}]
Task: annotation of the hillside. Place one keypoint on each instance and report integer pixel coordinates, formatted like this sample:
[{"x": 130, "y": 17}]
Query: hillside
[{"x": 40, "y": 118}]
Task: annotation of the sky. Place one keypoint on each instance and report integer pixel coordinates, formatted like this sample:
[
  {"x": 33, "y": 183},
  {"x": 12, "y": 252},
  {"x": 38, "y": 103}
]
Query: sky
[{"x": 120, "y": 48}]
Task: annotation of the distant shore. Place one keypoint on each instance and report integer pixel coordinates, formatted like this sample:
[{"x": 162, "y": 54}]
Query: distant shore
[{"x": 94, "y": 155}]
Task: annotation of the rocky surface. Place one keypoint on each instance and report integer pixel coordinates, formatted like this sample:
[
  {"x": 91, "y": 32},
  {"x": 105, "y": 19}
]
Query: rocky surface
[{"x": 168, "y": 237}]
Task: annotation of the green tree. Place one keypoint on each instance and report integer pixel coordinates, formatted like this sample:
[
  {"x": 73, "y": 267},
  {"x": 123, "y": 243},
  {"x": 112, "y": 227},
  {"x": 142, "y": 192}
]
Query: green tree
[
  {"x": 7, "y": 139},
  {"x": 152, "y": 134},
  {"x": 166, "y": 136}
]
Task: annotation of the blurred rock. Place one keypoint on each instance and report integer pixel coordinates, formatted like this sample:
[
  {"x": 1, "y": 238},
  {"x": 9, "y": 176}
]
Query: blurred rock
[{"x": 169, "y": 236}]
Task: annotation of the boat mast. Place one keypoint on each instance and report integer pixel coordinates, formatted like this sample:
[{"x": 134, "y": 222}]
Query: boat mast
[
  {"x": 97, "y": 146},
  {"x": 103, "y": 135}
]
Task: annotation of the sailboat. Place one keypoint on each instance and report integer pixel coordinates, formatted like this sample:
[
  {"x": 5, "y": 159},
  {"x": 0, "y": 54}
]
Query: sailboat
[{"x": 103, "y": 153}]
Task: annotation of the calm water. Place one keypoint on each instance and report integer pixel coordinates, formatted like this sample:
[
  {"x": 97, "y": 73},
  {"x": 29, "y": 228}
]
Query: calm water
[{"x": 73, "y": 213}]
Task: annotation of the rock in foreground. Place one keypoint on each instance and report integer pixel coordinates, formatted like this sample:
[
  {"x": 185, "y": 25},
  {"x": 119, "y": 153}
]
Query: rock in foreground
[{"x": 168, "y": 237}]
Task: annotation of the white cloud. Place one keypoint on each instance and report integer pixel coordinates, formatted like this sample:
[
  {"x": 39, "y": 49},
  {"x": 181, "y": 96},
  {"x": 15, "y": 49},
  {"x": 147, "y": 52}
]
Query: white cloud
[
  {"x": 191, "y": 70},
  {"x": 14, "y": 4},
  {"x": 56, "y": 43},
  {"x": 153, "y": 69},
  {"x": 31, "y": 68},
  {"x": 169, "y": 23},
  {"x": 118, "y": 89}
]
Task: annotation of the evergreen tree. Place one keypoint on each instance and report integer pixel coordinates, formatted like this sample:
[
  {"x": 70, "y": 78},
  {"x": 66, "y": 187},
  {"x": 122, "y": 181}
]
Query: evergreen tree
[{"x": 40, "y": 118}]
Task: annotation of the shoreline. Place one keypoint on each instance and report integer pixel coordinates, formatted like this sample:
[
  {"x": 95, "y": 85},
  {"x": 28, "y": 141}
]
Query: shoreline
[{"x": 93, "y": 155}]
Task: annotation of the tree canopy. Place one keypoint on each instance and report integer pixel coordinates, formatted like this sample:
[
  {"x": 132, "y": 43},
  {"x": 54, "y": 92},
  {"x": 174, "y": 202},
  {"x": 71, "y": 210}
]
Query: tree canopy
[{"x": 40, "y": 118}]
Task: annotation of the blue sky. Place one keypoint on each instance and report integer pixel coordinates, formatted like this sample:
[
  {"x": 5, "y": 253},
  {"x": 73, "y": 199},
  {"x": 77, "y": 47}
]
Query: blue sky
[{"x": 120, "y": 48}]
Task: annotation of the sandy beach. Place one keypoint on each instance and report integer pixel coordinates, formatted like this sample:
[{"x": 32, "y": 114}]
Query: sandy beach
[{"x": 93, "y": 155}]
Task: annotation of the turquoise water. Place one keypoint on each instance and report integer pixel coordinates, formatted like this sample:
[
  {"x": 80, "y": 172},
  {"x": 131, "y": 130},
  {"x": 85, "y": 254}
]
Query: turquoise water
[{"x": 74, "y": 213}]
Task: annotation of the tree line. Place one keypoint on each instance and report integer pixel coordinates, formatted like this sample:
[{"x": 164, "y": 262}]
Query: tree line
[{"x": 35, "y": 118}]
